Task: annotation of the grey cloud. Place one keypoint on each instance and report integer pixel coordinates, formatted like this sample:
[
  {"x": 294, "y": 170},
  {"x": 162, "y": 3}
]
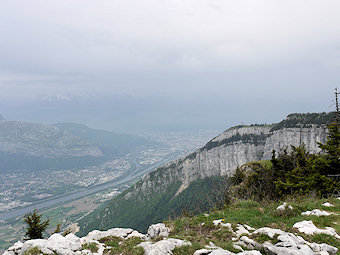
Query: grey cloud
[{"x": 271, "y": 56}]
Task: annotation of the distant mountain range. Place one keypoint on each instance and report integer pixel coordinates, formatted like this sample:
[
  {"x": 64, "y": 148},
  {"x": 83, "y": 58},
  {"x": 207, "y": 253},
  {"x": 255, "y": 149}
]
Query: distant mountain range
[
  {"x": 28, "y": 146},
  {"x": 197, "y": 181},
  {"x": 109, "y": 143}
]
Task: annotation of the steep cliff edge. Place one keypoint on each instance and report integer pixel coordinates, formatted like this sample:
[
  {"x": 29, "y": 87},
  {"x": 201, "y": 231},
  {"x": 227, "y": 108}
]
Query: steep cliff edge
[{"x": 219, "y": 157}]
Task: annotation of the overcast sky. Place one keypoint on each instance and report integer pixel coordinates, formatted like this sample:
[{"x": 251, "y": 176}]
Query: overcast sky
[{"x": 220, "y": 60}]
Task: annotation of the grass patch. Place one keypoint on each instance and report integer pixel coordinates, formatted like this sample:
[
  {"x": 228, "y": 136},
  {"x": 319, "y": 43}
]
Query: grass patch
[
  {"x": 91, "y": 247},
  {"x": 122, "y": 246},
  {"x": 322, "y": 238},
  {"x": 187, "y": 249},
  {"x": 261, "y": 238},
  {"x": 247, "y": 204},
  {"x": 256, "y": 215},
  {"x": 266, "y": 163},
  {"x": 33, "y": 251}
]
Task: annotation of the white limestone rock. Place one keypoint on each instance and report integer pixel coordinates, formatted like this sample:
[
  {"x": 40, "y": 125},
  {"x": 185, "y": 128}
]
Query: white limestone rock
[
  {"x": 157, "y": 230},
  {"x": 248, "y": 227},
  {"x": 16, "y": 247},
  {"x": 322, "y": 248},
  {"x": 309, "y": 228},
  {"x": 271, "y": 232},
  {"x": 289, "y": 240},
  {"x": 163, "y": 247},
  {"x": 249, "y": 243},
  {"x": 139, "y": 235},
  {"x": 241, "y": 230},
  {"x": 40, "y": 243},
  {"x": 97, "y": 235},
  {"x": 220, "y": 252},
  {"x": 74, "y": 228},
  {"x": 69, "y": 242},
  {"x": 317, "y": 212},
  {"x": 290, "y": 243},
  {"x": 272, "y": 249},
  {"x": 202, "y": 252},
  {"x": 9, "y": 253},
  {"x": 254, "y": 252},
  {"x": 328, "y": 204},
  {"x": 47, "y": 251},
  {"x": 238, "y": 247},
  {"x": 285, "y": 137},
  {"x": 222, "y": 224},
  {"x": 284, "y": 206},
  {"x": 281, "y": 207},
  {"x": 217, "y": 251}
]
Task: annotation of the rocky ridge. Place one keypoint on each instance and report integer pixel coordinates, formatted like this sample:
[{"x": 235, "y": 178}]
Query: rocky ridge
[
  {"x": 234, "y": 147},
  {"x": 70, "y": 244},
  {"x": 159, "y": 241},
  {"x": 219, "y": 157}
]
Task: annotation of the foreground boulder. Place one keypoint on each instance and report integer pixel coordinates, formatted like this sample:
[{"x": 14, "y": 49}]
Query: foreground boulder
[
  {"x": 316, "y": 212},
  {"x": 307, "y": 227},
  {"x": 157, "y": 230}
]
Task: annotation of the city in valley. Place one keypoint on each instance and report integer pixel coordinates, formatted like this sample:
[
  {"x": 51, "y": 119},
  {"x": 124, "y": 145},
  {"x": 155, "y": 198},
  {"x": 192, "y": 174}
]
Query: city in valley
[{"x": 89, "y": 186}]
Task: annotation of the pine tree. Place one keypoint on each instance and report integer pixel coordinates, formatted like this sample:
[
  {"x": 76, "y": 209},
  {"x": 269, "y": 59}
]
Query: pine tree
[
  {"x": 332, "y": 149},
  {"x": 36, "y": 226}
]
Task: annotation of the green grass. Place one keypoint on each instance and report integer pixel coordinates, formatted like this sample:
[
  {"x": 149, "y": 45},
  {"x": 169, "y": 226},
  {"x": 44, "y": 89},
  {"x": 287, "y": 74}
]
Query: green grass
[
  {"x": 116, "y": 245},
  {"x": 91, "y": 247},
  {"x": 256, "y": 215},
  {"x": 201, "y": 231},
  {"x": 266, "y": 163},
  {"x": 187, "y": 249},
  {"x": 33, "y": 251}
]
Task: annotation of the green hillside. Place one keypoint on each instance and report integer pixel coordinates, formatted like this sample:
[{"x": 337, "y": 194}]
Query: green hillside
[{"x": 140, "y": 212}]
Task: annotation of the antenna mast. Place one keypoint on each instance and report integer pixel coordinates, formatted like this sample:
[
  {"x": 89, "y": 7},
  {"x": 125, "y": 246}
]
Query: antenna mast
[{"x": 337, "y": 105}]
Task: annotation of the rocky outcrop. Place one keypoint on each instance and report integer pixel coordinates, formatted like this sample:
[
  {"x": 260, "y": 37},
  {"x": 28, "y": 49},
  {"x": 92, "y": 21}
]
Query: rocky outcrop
[
  {"x": 234, "y": 147},
  {"x": 285, "y": 137},
  {"x": 307, "y": 227},
  {"x": 157, "y": 230},
  {"x": 221, "y": 156},
  {"x": 317, "y": 212},
  {"x": 163, "y": 247},
  {"x": 279, "y": 242}
]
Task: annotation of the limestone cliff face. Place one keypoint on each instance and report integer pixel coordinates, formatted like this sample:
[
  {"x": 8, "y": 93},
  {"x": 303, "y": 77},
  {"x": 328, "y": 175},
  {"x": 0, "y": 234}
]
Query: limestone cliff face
[
  {"x": 219, "y": 157},
  {"x": 234, "y": 147},
  {"x": 283, "y": 138}
]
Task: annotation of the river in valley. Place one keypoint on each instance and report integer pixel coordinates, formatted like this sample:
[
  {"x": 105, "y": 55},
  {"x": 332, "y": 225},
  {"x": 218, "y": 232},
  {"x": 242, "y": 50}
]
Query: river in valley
[{"x": 129, "y": 176}]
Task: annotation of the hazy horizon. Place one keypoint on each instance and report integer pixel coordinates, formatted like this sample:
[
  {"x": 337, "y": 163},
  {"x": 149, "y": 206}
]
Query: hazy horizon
[{"x": 136, "y": 67}]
